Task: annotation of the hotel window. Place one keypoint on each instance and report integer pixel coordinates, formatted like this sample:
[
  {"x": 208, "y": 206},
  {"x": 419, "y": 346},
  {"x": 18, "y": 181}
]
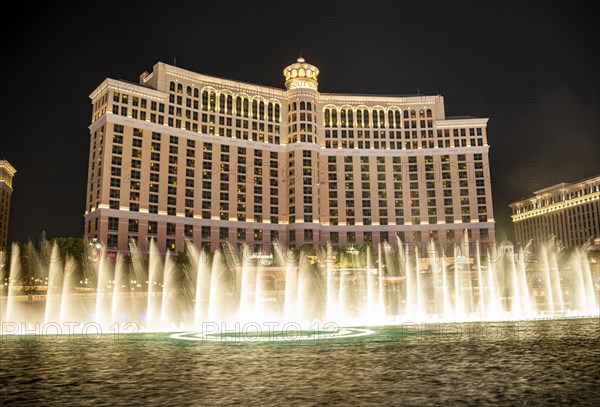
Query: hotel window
[
  {"x": 113, "y": 224},
  {"x": 113, "y": 241},
  {"x": 484, "y": 234},
  {"x": 223, "y": 233},
  {"x": 133, "y": 226},
  {"x": 171, "y": 245},
  {"x": 170, "y": 229},
  {"x": 212, "y": 101},
  {"x": 416, "y": 236},
  {"x": 334, "y": 118},
  {"x": 204, "y": 101},
  {"x": 152, "y": 227}
]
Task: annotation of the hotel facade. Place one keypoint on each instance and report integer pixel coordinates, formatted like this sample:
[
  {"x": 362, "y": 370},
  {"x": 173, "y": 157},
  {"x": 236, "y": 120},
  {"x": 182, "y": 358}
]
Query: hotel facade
[
  {"x": 186, "y": 156},
  {"x": 7, "y": 172},
  {"x": 571, "y": 212}
]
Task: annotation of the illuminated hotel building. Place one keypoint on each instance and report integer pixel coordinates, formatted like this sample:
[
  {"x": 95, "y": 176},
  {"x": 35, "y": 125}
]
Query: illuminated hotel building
[
  {"x": 183, "y": 155},
  {"x": 571, "y": 212},
  {"x": 7, "y": 173}
]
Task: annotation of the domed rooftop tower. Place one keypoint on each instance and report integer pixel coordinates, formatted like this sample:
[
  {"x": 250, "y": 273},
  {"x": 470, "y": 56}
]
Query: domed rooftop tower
[{"x": 301, "y": 75}]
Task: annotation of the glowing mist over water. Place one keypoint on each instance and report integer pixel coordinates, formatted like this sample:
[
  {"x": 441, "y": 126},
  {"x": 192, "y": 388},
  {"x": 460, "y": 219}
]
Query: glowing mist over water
[{"x": 347, "y": 287}]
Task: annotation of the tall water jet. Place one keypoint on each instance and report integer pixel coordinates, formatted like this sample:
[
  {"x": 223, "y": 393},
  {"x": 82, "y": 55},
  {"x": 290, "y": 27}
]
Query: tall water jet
[
  {"x": 138, "y": 276},
  {"x": 101, "y": 288},
  {"x": 154, "y": 302},
  {"x": 216, "y": 290},
  {"x": 591, "y": 304},
  {"x": 329, "y": 269},
  {"x": 446, "y": 289},
  {"x": 301, "y": 290},
  {"x": 371, "y": 292},
  {"x": 259, "y": 298},
  {"x": 437, "y": 281},
  {"x": 14, "y": 284},
  {"x": 341, "y": 302},
  {"x": 481, "y": 290},
  {"x": 410, "y": 286},
  {"x": 284, "y": 257},
  {"x": 515, "y": 308},
  {"x": 202, "y": 289},
  {"x": 556, "y": 278},
  {"x": 246, "y": 287},
  {"x": 526, "y": 305},
  {"x": 401, "y": 274},
  {"x": 552, "y": 283},
  {"x": 556, "y": 283},
  {"x": 467, "y": 279},
  {"x": 169, "y": 294},
  {"x": 380, "y": 285},
  {"x": 494, "y": 309},
  {"x": 119, "y": 285},
  {"x": 458, "y": 301},
  {"x": 581, "y": 285},
  {"x": 67, "y": 301},
  {"x": 391, "y": 283},
  {"x": 420, "y": 296},
  {"x": 55, "y": 284}
]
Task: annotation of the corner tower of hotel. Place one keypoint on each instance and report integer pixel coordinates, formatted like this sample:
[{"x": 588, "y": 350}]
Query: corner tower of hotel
[
  {"x": 187, "y": 156},
  {"x": 7, "y": 172}
]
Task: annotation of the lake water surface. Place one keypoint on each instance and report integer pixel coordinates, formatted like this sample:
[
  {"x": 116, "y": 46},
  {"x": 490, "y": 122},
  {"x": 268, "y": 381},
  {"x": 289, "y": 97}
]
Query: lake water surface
[{"x": 510, "y": 363}]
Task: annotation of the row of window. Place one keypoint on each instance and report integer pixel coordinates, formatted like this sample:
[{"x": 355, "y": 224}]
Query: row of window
[
  {"x": 391, "y": 145},
  {"x": 226, "y": 100},
  {"x": 383, "y": 134},
  {"x": 556, "y": 198},
  {"x": 307, "y": 235},
  {"x": 375, "y": 117}
]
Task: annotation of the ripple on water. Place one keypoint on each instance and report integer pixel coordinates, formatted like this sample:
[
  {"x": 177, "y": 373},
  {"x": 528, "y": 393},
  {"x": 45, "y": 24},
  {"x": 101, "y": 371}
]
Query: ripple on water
[{"x": 560, "y": 365}]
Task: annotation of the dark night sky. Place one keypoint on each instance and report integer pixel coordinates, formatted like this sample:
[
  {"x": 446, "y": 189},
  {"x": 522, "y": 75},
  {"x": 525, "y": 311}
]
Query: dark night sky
[{"x": 527, "y": 66}]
